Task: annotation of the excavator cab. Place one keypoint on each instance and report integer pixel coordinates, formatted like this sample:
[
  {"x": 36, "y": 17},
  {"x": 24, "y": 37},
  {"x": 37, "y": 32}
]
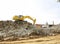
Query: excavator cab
[{"x": 20, "y": 16}]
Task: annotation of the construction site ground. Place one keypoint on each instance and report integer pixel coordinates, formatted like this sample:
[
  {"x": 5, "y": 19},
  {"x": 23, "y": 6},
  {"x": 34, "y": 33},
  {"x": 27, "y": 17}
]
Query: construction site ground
[{"x": 37, "y": 40}]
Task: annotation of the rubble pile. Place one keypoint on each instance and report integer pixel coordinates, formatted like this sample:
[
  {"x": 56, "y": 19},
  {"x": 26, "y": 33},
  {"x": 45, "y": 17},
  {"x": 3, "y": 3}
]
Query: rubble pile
[{"x": 16, "y": 29}]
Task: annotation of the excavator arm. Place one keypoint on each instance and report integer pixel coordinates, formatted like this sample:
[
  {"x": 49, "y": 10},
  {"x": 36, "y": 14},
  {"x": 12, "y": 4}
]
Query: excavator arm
[{"x": 34, "y": 20}]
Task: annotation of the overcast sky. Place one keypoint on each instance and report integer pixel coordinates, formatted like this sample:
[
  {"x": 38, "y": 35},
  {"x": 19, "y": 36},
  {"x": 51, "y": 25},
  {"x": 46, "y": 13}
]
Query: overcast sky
[{"x": 43, "y": 10}]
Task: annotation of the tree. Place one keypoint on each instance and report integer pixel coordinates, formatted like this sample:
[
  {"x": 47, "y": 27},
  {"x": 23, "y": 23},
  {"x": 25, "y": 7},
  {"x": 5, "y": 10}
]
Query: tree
[{"x": 58, "y": 0}]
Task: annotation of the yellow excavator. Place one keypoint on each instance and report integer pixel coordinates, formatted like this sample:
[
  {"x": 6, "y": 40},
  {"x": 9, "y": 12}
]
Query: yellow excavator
[{"x": 21, "y": 17}]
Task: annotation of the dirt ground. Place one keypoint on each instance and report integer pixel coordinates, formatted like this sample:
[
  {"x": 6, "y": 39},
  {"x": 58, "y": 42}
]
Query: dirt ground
[{"x": 40, "y": 40}]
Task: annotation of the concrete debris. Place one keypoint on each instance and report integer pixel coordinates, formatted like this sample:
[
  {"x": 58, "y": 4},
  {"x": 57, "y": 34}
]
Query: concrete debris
[{"x": 17, "y": 29}]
